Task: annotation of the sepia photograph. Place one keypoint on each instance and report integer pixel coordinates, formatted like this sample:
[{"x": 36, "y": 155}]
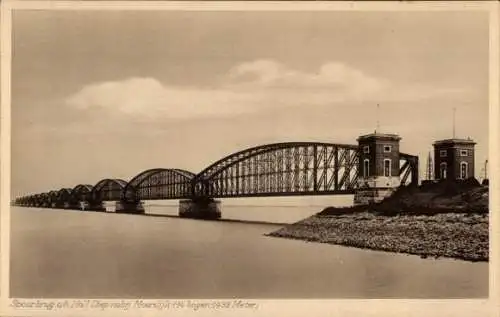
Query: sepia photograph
[{"x": 249, "y": 154}]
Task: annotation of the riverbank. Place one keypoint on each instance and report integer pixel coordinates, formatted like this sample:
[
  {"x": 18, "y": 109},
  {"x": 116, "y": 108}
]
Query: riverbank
[
  {"x": 437, "y": 220},
  {"x": 459, "y": 236}
]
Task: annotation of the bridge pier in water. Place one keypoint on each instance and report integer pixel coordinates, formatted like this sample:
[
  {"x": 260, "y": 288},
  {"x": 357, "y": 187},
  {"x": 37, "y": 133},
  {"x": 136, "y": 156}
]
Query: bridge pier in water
[
  {"x": 80, "y": 205},
  {"x": 129, "y": 207},
  {"x": 93, "y": 206},
  {"x": 203, "y": 208},
  {"x": 132, "y": 207}
]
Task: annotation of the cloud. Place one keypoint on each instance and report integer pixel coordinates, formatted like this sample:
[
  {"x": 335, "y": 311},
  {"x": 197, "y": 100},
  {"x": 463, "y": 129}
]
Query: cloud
[
  {"x": 332, "y": 77},
  {"x": 247, "y": 88},
  {"x": 148, "y": 97}
]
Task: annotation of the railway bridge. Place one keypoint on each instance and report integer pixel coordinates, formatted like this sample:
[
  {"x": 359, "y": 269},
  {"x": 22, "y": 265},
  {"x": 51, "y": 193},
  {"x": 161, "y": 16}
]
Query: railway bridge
[{"x": 370, "y": 170}]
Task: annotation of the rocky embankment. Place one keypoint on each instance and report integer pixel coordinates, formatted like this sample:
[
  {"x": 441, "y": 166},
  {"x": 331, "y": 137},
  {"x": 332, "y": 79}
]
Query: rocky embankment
[{"x": 447, "y": 219}]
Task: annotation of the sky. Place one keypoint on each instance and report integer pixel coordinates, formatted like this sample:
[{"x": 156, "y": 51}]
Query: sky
[{"x": 109, "y": 94}]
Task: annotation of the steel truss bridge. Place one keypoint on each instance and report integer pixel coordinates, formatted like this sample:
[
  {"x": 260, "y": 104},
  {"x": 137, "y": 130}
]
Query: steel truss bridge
[{"x": 281, "y": 169}]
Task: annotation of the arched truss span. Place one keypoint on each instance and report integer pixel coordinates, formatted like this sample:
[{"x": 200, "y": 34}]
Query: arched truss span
[
  {"x": 64, "y": 195},
  {"x": 28, "y": 200},
  {"x": 35, "y": 200},
  {"x": 22, "y": 201},
  {"x": 281, "y": 169},
  {"x": 42, "y": 200},
  {"x": 107, "y": 189},
  {"x": 81, "y": 192},
  {"x": 159, "y": 183},
  {"x": 53, "y": 195}
]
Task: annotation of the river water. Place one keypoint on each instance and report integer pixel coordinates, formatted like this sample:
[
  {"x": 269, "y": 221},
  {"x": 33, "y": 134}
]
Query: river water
[{"x": 74, "y": 254}]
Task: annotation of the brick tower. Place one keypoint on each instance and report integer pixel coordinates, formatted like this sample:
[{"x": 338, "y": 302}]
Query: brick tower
[
  {"x": 454, "y": 159},
  {"x": 378, "y": 167}
]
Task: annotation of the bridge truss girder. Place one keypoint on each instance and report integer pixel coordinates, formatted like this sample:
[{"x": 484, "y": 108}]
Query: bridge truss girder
[
  {"x": 81, "y": 192},
  {"x": 107, "y": 190},
  {"x": 282, "y": 169},
  {"x": 159, "y": 183}
]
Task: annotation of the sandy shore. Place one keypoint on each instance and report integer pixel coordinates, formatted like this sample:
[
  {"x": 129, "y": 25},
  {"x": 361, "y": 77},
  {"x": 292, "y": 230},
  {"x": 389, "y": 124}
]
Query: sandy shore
[{"x": 452, "y": 235}]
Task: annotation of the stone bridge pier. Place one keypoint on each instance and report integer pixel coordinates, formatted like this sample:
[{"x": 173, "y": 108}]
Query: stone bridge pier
[
  {"x": 129, "y": 207},
  {"x": 200, "y": 208}
]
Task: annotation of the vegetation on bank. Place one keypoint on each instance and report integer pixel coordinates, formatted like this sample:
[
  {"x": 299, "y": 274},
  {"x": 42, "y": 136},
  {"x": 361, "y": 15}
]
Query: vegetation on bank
[
  {"x": 462, "y": 196},
  {"x": 446, "y": 219}
]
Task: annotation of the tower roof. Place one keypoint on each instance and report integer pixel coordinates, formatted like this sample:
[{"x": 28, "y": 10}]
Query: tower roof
[
  {"x": 455, "y": 141},
  {"x": 379, "y": 136}
]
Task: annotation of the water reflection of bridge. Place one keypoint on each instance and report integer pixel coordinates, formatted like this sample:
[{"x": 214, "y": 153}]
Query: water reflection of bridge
[{"x": 281, "y": 169}]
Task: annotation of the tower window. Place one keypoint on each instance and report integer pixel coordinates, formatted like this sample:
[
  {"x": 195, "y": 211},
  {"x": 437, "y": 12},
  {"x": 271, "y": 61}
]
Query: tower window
[
  {"x": 366, "y": 168},
  {"x": 442, "y": 170},
  {"x": 387, "y": 148},
  {"x": 463, "y": 170},
  {"x": 387, "y": 167},
  {"x": 463, "y": 153},
  {"x": 366, "y": 149},
  {"x": 443, "y": 153}
]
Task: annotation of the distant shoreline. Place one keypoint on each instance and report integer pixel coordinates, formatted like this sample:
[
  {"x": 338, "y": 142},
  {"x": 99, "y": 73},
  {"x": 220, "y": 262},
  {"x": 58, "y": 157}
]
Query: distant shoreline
[
  {"x": 450, "y": 235},
  {"x": 257, "y": 222}
]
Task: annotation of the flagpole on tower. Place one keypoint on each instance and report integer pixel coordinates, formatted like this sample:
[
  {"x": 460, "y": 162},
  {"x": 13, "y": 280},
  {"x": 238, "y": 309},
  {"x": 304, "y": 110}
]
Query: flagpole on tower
[
  {"x": 454, "y": 115},
  {"x": 378, "y": 119}
]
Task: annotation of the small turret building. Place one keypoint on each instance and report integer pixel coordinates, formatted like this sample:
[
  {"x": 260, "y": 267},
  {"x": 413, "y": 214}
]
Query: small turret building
[
  {"x": 378, "y": 167},
  {"x": 454, "y": 159}
]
